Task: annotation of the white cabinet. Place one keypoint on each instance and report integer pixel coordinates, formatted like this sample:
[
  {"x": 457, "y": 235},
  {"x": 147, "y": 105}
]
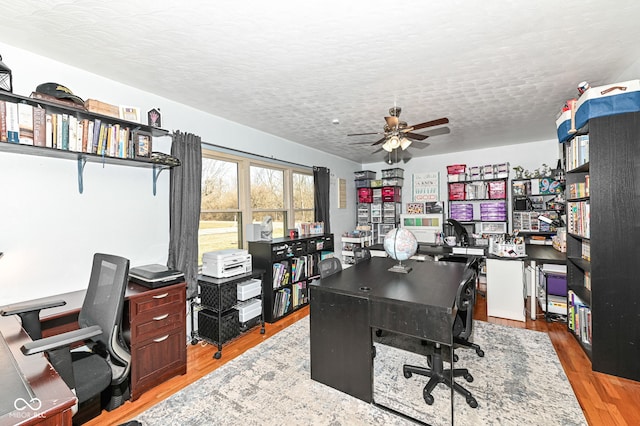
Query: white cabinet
[
  {"x": 348, "y": 244},
  {"x": 505, "y": 289}
]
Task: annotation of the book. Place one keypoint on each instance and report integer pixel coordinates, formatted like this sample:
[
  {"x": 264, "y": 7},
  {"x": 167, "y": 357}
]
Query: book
[
  {"x": 13, "y": 126},
  {"x": 90, "y": 137},
  {"x": 73, "y": 132},
  {"x": 39, "y": 127},
  {"x": 96, "y": 135},
  {"x": 85, "y": 134},
  {"x": 64, "y": 133},
  {"x": 3, "y": 121},
  {"x": 49, "y": 130},
  {"x": 25, "y": 124}
]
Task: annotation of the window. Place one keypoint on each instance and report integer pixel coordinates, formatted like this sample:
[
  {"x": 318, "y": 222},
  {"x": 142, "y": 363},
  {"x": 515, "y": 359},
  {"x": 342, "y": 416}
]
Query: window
[
  {"x": 303, "y": 198},
  {"x": 220, "y": 213},
  {"x": 237, "y": 190}
]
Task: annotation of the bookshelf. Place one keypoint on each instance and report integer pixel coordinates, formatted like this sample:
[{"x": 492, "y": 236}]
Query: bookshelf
[
  {"x": 602, "y": 233},
  {"x": 480, "y": 205},
  {"x": 82, "y": 157},
  {"x": 289, "y": 265},
  {"x": 533, "y": 197}
]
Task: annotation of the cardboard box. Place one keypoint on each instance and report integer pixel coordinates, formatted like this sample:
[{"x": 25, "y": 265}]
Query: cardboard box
[{"x": 102, "y": 108}]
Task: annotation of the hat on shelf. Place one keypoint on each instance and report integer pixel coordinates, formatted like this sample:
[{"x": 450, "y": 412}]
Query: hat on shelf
[{"x": 59, "y": 91}]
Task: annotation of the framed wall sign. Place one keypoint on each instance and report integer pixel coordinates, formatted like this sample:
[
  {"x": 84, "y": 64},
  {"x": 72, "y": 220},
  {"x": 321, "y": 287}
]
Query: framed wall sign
[{"x": 426, "y": 186}]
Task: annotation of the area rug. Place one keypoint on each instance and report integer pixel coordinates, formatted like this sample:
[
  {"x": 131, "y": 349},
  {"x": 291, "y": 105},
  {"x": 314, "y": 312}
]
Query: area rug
[{"x": 519, "y": 381}]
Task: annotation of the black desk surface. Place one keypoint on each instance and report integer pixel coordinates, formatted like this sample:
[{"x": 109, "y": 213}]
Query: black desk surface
[{"x": 428, "y": 283}]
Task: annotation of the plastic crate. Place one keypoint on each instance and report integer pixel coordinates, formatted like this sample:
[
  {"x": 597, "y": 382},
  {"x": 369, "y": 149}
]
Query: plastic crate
[
  {"x": 209, "y": 326},
  {"x": 248, "y": 289},
  {"x": 363, "y": 183},
  {"x": 456, "y": 169},
  {"x": 392, "y": 173},
  {"x": 364, "y": 174},
  {"x": 217, "y": 297}
]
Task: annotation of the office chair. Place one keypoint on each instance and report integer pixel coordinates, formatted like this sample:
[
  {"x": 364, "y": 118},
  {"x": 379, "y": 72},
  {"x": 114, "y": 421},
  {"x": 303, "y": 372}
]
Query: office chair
[
  {"x": 329, "y": 266},
  {"x": 360, "y": 254},
  {"x": 473, "y": 264},
  {"x": 463, "y": 326},
  {"x": 107, "y": 363}
]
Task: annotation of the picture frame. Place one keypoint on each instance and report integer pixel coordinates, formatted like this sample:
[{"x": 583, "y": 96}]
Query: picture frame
[
  {"x": 130, "y": 113},
  {"x": 142, "y": 144}
]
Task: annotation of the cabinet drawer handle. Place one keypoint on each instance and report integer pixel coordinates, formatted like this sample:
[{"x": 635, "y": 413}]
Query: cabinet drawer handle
[
  {"x": 160, "y": 296},
  {"x": 160, "y": 339},
  {"x": 161, "y": 317}
]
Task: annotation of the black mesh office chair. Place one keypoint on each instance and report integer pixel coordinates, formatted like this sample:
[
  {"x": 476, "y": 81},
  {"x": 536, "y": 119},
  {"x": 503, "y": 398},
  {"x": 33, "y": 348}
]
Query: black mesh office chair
[
  {"x": 473, "y": 264},
  {"x": 463, "y": 326},
  {"x": 107, "y": 364},
  {"x": 329, "y": 266},
  {"x": 360, "y": 254}
]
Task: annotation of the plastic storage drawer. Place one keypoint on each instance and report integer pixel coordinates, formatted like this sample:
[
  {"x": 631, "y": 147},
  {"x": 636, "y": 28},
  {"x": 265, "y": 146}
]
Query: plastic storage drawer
[
  {"x": 364, "y": 174},
  {"x": 248, "y": 289},
  {"x": 249, "y": 310}
]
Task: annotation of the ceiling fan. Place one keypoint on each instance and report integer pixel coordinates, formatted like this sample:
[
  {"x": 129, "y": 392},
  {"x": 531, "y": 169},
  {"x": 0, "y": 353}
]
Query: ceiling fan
[{"x": 397, "y": 134}]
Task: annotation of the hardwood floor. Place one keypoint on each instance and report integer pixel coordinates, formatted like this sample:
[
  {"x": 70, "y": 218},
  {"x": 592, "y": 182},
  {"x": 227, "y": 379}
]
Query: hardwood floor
[{"x": 605, "y": 400}]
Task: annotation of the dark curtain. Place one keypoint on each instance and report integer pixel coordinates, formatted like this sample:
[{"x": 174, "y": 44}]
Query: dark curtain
[
  {"x": 321, "y": 182},
  {"x": 184, "y": 208}
]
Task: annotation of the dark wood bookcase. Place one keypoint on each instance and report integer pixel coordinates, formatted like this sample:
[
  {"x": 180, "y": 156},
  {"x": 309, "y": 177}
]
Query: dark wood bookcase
[
  {"x": 284, "y": 296},
  {"x": 613, "y": 298}
]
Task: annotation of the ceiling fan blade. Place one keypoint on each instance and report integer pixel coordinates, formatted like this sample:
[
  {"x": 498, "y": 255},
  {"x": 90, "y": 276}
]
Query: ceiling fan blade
[
  {"x": 416, "y": 136},
  {"x": 379, "y": 142},
  {"x": 431, "y": 123},
  {"x": 406, "y": 156},
  {"x": 436, "y": 132},
  {"x": 420, "y": 145},
  {"x": 392, "y": 121},
  {"x": 362, "y": 134}
]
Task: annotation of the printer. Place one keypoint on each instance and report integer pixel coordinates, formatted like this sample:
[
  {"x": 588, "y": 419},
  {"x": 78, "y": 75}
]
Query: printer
[{"x": 226, "y": 263}]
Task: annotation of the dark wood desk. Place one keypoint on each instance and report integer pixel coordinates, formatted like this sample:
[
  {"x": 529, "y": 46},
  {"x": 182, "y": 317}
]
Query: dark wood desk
[
  {"x": 344, "y": 308},
  {"x": 32, "y": 392}
]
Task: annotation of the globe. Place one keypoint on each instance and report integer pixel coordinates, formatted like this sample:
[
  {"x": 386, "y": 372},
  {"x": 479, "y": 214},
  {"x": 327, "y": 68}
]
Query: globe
[{"x": 400, "y": 244}]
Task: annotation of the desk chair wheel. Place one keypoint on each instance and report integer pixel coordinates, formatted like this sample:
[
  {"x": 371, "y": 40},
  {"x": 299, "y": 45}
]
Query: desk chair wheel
[
  {"x": 407, "y": 374},
  {"x": 262, "y": 330},
  {"x": 472, "y": 402},
  {"x": 480, "y": 352},
  {"x": 468, "y": 377},
  {"x": 427, "y": 397},
  {"x": 217, "y": 355}
]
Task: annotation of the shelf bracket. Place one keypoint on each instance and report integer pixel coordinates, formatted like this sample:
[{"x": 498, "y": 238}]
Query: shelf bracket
[
  {"x": 156, "y": 172},
  {"x": 81, "y": 163}
]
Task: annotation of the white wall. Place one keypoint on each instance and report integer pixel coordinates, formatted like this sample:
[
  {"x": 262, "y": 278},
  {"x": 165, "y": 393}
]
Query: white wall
[
  {"x": 530, "y": 156},
  {"x": 49, "y": 232}
]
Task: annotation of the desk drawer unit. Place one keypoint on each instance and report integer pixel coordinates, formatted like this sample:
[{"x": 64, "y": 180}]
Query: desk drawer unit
[{"x": 157, "y": 321}]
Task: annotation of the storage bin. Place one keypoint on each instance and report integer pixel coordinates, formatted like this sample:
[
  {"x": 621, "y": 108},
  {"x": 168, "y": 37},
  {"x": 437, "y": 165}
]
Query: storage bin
[
  {"x": 392, "y": 181},
  {"x": 249, "y": 309},
  {"x": 392, "y": 173},
  {"x": 557, "y": 284},
  {"x": 228, "y": 326},
  {"x": 364, "y": 174},
  {"x": 376, "y": 183},
  {"x": 248, "y": 289},
  {"x": 456, "y": 169},
  {"x": 363, "y": 183},
  {"x": 391, "y": 194},
  {"x": 365, "y": 195},
  {"x": 217, "y": 297}
]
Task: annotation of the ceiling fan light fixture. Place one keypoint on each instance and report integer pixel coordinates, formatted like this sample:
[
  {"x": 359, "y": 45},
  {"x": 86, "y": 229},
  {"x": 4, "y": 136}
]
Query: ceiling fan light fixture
[
  {"x": 387, "y": 146},
  {"x": 404, "y": 143},
  {"x": 394, "y": 142}
]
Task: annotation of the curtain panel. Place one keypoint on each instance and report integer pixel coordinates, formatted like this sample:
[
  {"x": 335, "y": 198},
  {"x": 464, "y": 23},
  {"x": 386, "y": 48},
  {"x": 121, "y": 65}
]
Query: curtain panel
[{"x": 184, "y": 208}]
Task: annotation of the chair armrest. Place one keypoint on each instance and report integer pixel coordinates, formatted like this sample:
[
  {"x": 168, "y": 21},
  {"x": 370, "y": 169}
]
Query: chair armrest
[
  {"x": 60, "y": 340},
  {"x": 22, "y": 308}
]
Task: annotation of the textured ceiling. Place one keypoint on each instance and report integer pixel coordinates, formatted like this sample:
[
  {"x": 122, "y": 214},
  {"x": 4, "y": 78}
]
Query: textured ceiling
[{"x": 499, "y": 70}]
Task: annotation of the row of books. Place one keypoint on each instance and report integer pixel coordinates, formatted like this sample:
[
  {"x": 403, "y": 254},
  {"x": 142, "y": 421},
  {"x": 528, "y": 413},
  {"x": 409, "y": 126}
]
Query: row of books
[
  {"x": 295, "y": 269},
  {"x": 25, "y": 124},
  {"x": 579, "y": 189},
  {"x": 577, "y": 151},
  {"x": 579, "y": 318},
  {"x": 281, "y": 302},
  {"x": 300, "y": 293},
  {"x": 586, "y": 250},
  {"x": 579, "y": 218}
]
